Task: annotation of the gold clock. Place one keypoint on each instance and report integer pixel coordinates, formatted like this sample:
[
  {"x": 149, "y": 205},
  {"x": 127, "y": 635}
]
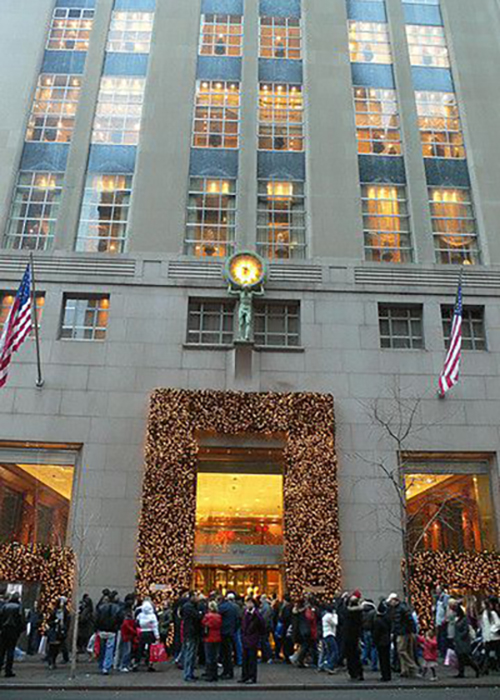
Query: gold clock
[{"x": 246, "y": 269}]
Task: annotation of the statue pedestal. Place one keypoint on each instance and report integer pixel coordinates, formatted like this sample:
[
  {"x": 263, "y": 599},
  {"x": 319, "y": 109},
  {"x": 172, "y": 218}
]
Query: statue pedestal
[{"x": 243, "y": 360}]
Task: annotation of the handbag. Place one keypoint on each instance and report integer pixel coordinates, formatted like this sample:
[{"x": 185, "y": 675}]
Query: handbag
[
  {"x": 451, "y": 659},
  {"x": 42, "y": 647},
  {"x": 157, "y": 653}
]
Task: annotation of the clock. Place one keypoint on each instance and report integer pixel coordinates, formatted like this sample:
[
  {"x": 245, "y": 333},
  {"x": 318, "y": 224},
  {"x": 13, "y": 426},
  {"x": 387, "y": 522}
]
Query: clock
[{"x": 245, "y": 269}]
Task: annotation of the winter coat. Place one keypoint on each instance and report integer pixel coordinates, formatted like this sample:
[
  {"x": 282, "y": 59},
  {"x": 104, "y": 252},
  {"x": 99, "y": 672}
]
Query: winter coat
[
  {"x": 353, "y": 624},
  {"x": 382, "y": 629},
  {"x": 58, "y": 625},
  {"x": 402, "y": 620},
  {"x": 369, "y": 615},
  {"x": 190, "y": 621},
  {"x": 109, "y": 617},
  {"x": 230, "y": 618},
  {"x": 329, "y": 622},
  {"x": 11, "y": 619},
  {"x": 252, "y": 628},
  {"x": 490, "y": 626},
  {"x": 129, "y": 630},
  {"x": 147, "y": 620},
  {"x": 212, "y": 622},
  {"x": 462, "y": 637},
  {"x": 310, "y": 615},
  {"x": 266, "y": 612},
  {"x": 429, "y": 648}
]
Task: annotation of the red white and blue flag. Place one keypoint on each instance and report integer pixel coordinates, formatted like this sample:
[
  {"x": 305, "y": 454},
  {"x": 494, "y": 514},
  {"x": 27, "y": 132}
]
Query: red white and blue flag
[
  {"x": 17, "y": 326},
  {"x": 451, "y": 370}
]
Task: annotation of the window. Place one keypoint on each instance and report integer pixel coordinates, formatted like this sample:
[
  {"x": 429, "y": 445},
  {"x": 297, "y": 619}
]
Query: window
[
  {"x": 34, "y": 210},
  {"x": 53, "y": 112},
  {"x": 386, "y": 223},
  {"x": 281, "y": 223},
  {"x": 217, "y": 113},
  {"x": 277, "y": 324},
  {"x": 85, "y": 318},
  {"x": 130, "y": 32},
  {"x": 118, "y": 114},
  {"x": 450, "y": 507},
  {"x": 221, "y": 35},
  {"x": 421, "y": 2},
  {"x": 70, "y": 29},
  {"x": 473, "y": 332},
  {"x": 104, "y": 214},
  {"x": 210, "y": 322},
  {"x": 369, "y": 42},
  {"x": 280, "y": 117},
  {"x": 439, "y": 123},
  {"x": 377, "y": 122},
  {"x": 6, "y": 301},
  {"x": 400, "y": 327},
  {"x": 211, "y": 214},
  {"x": 34, "y": 503},
  {"x": 454, "y": 226},
  {"x": 280, "y": 37},
  {"x": 427, "y": 46}
]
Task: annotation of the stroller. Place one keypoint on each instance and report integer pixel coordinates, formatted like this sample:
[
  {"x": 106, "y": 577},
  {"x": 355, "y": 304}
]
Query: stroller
[{"x": 479, "y": 654}]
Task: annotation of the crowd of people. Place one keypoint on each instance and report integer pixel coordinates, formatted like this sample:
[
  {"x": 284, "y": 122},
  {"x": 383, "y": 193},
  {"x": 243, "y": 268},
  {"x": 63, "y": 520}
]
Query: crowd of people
[{"x": 220, "y": 632}]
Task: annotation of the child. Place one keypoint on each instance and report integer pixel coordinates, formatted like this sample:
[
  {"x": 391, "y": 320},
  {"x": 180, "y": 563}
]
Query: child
[{"x": 430, "y": 653}]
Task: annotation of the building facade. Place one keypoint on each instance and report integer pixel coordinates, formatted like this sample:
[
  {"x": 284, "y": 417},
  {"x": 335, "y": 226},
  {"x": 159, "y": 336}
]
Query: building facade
[{"x": 352, "y": 145}]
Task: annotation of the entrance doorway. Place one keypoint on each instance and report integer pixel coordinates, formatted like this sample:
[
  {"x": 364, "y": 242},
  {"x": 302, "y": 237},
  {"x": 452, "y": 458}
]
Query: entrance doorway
[{"x": 239, "y": 579}]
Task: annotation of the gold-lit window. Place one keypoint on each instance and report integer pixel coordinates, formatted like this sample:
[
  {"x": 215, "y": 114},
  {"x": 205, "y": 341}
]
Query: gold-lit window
[
  {"x": 386, "y": 223},
  {"x": 281, "y": 219},
  {"x": 34, "y": 210},
  {"x": 369, "y": 42},
  {"x": 221, "y": 35},
  {"x": 130, "y": 32},
  {"x": 454, "y": 226},
  {"x": 118, "y": 113},
  {"x": 70, "y": 29},
  {"x": 450, "y": 511},
  {"x": 54, "y": 108},
  {"x": 427, "y": 46},
  {"x": 280, "y": 37},
  {"x": 377, "y": 121},
  {"x": 439, "y": 123},
  {"x": 104, "y": 214},
  {"x": 6, "y": 301},
  {"x": 281, "y": 115},
  {"x": 85, "y": 318},
  {"x": 211, "y": 217},
  {"x": 217, "y": 114}
]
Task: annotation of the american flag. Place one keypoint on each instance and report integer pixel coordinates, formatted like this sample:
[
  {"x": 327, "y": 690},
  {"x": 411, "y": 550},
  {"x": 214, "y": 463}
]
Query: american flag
[
  {"x": 451, "y": 370},
  {"x": 17, "y": 326}
]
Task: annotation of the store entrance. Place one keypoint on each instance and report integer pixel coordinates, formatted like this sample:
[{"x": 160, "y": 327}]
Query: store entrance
[{"x": 241, "y": 580}]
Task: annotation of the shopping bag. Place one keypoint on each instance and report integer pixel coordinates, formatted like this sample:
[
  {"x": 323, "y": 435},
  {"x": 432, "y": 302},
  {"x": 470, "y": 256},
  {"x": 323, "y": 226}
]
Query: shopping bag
[
  {"x": 157, "y": 653},
  {"x": 97, "y": 646},
  {"x": 451, "y": 659},
  {"x": 42, "y": 647}
]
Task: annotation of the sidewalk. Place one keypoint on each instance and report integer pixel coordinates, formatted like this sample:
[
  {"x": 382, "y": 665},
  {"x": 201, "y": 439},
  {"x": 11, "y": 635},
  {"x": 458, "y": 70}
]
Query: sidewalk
[{"x": 34, "y": 675}]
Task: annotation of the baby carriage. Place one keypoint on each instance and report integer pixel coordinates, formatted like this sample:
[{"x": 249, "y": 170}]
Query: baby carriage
[{"x": 479, "y": 654}]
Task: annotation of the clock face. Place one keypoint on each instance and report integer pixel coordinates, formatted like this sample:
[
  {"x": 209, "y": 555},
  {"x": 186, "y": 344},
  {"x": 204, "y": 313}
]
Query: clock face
[{"x": 246, "y": 270}]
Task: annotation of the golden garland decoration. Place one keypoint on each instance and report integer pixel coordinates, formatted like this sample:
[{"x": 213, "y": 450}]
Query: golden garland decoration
[
  {"x": 167, "y": 522},
  {"x": 52, "y": 567},
  {"x": 461, "y": 573}
]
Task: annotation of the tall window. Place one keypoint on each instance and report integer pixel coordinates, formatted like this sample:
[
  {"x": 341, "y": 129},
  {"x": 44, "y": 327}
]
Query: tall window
[
  {"x": 130, "y": 32},
  {"x": 277, "y": 324},
  {"x": 369, "y": 42},
  {"x": 210, "y": 322},
  {"x": 281, "y": 224},
  {"x": 70, "y": 29},
  {"x": 377, "y": 121},
  {"x": 85, "y": 318},
  {"x": 386, "y": 223},
  {"x": 439, "y": 123},
  {"x": 217, "y": 113},
  {"x": 118, "y": 114},
  {"x": 281, "y": 113},
  {"x": 104, "y": 214},
  {"x": 54, "y": 108},
  {"x": 280, "y": 37},
  {"x": 454, "y": 226},
  {"x": 401, "y": 327},
  {"x": 473, "y": 331},
  {"x": 427, "y": 46},
  {"x": 211, "y": 216},
  {"x": 34, "y": 210},
  {"x": 221, "y": 35}
]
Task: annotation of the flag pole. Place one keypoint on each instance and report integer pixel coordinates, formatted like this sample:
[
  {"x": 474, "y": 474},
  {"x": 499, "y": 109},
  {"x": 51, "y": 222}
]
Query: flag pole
[{"x": 39, "y": 381}]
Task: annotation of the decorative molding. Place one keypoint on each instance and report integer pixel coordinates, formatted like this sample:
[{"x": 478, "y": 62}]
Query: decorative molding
[
  {"x": 479, "y": 278},
  {"x": 65, "y": 265}
]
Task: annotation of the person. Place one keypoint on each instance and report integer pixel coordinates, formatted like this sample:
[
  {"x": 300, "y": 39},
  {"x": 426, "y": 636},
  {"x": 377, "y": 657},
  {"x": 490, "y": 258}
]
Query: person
[
  {"x": 462, "y": 644},
  {"x": 212, "y": 623},
  {"x": 489, "y": 623},
  {"x": 129, "y": 640},
  {"x": 329, "y": 623},
  {"x": 230, "y": 622},
  {"x": 441, "y": 608},
  {"x": 252, "y": 628},
  {"x": 33, "y": 630},
  {"x": 352, "y": 635},
  {"x": 85, "y": 623},
  {"x": 57, "y": 633},
  {"x": 403, "y": 627},
  {"x": 430, "y": 652},
  {"x": 285, "y": 618},
  {"x": 148, "y": 633},
  {"x": 109, "y": 619},
  {"x": 190, "y": 617},
  {"x": 382, "y": 634},
  {"x": 305, "y": 633},
  {"x": 11, "y": 627},
  {"x": 369, "y": 655},
  {"x": 266, "y": 612},
  {"x": 451, "y": 619}
]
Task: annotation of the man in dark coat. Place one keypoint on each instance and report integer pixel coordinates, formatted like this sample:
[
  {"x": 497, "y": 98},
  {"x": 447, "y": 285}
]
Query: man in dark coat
[
  {"x": 252, "y": 629},
  {"x": 382, "y": 633},
  {"x": 191, "y": 633},
  {"x": 463, "y": 645},
  {"x": 11, "y": 626},
  {"x": 353, "y": 630},
  {"x": 230, "y": 623}
]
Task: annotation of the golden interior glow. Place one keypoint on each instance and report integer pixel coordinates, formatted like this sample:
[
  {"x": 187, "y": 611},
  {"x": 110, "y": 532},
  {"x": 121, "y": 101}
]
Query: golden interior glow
[
  {"x": 239, "y": 495},
  {"x": 58, "y": 478},
  {"x": 280, "y": 190},
  {"x": 417, "y": 484},
  {"x": 246, "y": 270},
  {"x": 218, "y": 187}
]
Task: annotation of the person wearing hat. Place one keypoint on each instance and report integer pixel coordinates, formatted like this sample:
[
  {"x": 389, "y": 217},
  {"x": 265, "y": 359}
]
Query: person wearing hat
[
  {"x": 352, "y": 636},
  {"x": 382, "y": 633},
  {"x": 403, "y": 627},
  {"x": 11, "y": 626}
]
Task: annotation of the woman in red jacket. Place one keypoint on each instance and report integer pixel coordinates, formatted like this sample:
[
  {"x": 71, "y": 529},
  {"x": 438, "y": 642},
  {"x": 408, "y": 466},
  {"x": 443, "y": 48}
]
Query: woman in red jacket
[{"x": 212, "y": 623}]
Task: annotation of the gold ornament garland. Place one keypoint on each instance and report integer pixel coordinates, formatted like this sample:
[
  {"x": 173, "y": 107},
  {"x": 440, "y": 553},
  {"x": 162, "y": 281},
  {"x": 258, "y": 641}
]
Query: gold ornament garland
[
  {"x": 167, "y": 523},
  {"x": 52, "y": 567},
  {"x": 461, "y": 573}
]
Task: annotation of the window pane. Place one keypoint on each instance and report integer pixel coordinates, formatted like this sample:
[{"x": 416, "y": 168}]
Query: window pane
[
  {"x": 281, "y": 219},
  {"x": 280, "y": 37},
  {"x": 210, "y": 226},
  {"x": 386, "y": 223},
  {"x": 130, "y": 32},
  {"x": 221, "y": 35},
  {"x": 85, "y": 318},
  {"x": 70, "y": 29},
  {"x": 369, "y": 42},
  {"x": 454, "y": 226},
  {"x": 281, "y": 109}
]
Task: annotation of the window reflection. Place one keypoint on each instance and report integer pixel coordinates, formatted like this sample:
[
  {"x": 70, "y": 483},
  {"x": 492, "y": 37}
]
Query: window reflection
[{"x": 369, "y": 42}]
